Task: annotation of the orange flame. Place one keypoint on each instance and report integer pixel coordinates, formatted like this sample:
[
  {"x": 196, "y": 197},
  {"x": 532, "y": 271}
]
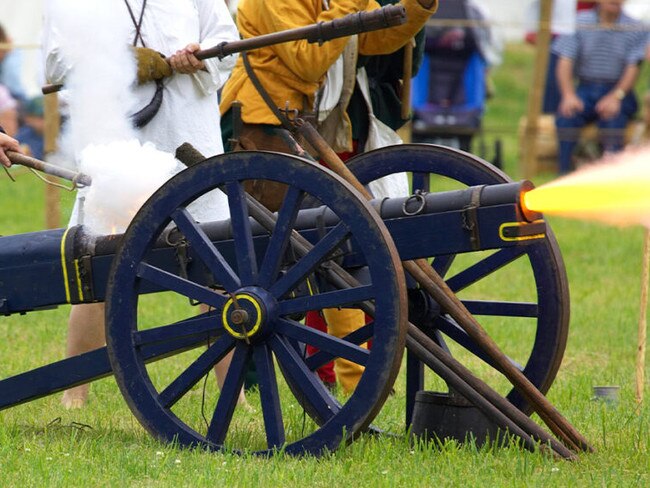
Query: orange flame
[{"x": 615, "y": 191}]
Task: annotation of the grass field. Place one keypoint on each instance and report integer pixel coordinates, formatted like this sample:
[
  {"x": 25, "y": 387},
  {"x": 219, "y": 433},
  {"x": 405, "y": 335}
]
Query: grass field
[{"x": 41, "y": 444}]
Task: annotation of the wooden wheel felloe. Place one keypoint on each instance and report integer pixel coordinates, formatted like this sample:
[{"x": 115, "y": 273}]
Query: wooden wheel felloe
[{"x": 254, "y": 284}]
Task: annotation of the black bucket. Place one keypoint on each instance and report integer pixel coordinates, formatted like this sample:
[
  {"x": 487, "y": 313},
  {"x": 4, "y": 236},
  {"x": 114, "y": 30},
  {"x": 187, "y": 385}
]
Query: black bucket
[{"x": 443, "y": 416}]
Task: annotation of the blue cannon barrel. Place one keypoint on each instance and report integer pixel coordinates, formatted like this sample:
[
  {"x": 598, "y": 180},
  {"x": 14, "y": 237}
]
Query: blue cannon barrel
[
  {"x": 31, "y": 271},
  {"x": 45, "y": 269}
]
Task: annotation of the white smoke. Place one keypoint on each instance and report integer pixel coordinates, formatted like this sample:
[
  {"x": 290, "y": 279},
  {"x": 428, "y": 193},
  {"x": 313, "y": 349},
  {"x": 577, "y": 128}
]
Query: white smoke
[
  {"x": 93, "y": 43},
  {"x": 125, "y": 174},
  {"x": 100, "y": 136}
]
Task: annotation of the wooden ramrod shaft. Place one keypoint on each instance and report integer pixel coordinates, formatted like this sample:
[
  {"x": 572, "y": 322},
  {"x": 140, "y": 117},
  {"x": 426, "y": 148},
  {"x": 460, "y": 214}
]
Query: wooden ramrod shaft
[{"x": 381, "y": 18}]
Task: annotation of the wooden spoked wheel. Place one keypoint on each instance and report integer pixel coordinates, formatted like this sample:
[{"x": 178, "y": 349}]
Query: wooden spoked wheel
[
  {"x": 256, "y": 285},
  {"x": 519, "y": 294}
]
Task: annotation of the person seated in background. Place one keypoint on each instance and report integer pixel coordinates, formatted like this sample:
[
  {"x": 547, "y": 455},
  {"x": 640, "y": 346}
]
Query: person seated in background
[
  {"x": 604, "y": 54},
  {"x": 28, "y": 126},
  {"x": 563, "y": 21},
  {"x": 646, "y": 101},
  {"x": 452, "y": 86},
  {"x": 7, "y": 143}
]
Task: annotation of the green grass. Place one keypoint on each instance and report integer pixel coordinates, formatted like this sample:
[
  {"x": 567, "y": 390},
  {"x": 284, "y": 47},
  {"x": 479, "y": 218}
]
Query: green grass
[{"x": 41, "y": 444}]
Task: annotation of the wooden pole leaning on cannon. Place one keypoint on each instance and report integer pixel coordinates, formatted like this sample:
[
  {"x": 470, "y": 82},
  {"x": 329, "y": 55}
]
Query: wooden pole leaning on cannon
[{"x": 436, "y": 287}]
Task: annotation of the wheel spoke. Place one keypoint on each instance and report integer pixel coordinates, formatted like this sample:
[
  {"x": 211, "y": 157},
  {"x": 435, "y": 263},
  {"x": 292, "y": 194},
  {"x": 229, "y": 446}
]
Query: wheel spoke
[
  {"x": 420, "y": 181},
  {"x": 310, "y": 261},
  {"x": 204, "y": 324},
  {"x": 359, "y": 336},
  {"x": 281, "y": 236},
  {"x": 502, "y": 309},
  {"x": 221, "y": 270},
  {"x": 312, "y": 389},
  {"x": 197, "y": 370},
  {"x": 242, "y": 234},
  {"x": 220, "y": 422},
  {"x": 452, "y": 330},
  {"x": 339, "y": 348},
  {"x": 485, "y": 267},
  {"x": 442, "y": 263},
  {"x": 269, "y": 397},
  {"x": 184, "y": 287},
  {"x": 330, "y": 299}
]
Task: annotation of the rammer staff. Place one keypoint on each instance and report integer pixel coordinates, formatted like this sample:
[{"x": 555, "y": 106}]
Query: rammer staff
[{"x": 382, "y": 18}]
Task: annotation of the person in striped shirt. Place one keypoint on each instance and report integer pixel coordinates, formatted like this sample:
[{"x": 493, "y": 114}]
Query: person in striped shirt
[{"x": 603, "y": 56}]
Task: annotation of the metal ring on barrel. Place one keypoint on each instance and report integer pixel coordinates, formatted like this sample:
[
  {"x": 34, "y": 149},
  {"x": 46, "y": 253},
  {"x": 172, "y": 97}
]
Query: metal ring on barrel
[
  {"x": 547, "y": 303},
  {"x": 254, "y": 318}
]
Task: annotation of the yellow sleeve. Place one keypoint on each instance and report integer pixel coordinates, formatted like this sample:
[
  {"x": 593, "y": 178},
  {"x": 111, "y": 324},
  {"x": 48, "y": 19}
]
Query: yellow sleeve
[{"x": 307, "y": 61}]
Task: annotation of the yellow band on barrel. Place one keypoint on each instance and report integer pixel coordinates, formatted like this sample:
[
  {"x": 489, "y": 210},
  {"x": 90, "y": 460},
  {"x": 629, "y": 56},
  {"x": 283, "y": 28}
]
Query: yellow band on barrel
[
  {"x": 64, "y": 268},
  {"x": 79, "y": 288},
  {"x": 507, "y": 225}
]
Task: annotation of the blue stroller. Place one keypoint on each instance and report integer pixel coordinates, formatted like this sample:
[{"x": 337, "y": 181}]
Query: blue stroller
[{"x": 448, "y": 94}]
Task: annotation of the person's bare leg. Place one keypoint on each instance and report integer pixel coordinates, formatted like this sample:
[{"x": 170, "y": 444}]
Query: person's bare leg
[{"x": 85, "y": 333}]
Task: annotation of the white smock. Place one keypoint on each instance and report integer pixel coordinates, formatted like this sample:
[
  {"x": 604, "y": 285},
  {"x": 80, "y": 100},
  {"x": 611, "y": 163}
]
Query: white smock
[{"x": 190, "y": 104}]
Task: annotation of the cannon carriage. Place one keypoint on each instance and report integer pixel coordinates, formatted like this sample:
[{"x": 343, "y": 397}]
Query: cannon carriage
[
  {"x": 427, "y": 269},
  {"x": 259, "y": 272}
]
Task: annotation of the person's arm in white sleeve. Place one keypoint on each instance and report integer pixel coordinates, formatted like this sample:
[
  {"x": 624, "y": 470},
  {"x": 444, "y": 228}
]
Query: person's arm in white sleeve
[
  {"x": 56, "y": 66},
  {"x": 217, "y": 26}
]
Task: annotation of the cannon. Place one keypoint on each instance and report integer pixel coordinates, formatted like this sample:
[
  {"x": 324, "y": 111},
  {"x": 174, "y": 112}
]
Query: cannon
[{"x": 259, "y": 272}]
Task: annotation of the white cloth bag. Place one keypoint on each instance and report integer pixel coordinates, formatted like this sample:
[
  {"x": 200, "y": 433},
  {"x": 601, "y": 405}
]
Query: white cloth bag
[{"x": 380, "y": 135}]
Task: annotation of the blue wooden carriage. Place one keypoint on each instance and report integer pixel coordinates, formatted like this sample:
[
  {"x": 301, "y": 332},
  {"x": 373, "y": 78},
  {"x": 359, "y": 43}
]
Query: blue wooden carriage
[{"x": 464, "y": 216}]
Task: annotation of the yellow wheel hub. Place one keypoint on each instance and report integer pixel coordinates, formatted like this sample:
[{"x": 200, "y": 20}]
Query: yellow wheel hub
[{"x": 242, "y": 316}]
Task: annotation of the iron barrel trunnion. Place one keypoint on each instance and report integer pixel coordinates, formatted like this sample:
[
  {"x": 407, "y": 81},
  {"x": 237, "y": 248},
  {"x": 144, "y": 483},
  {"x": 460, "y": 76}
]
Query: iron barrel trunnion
[{"x": 251, "y": 273}]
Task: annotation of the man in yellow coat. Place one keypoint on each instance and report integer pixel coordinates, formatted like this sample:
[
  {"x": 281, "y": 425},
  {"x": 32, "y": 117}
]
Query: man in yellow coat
[{"x": 292, "y": 74}]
